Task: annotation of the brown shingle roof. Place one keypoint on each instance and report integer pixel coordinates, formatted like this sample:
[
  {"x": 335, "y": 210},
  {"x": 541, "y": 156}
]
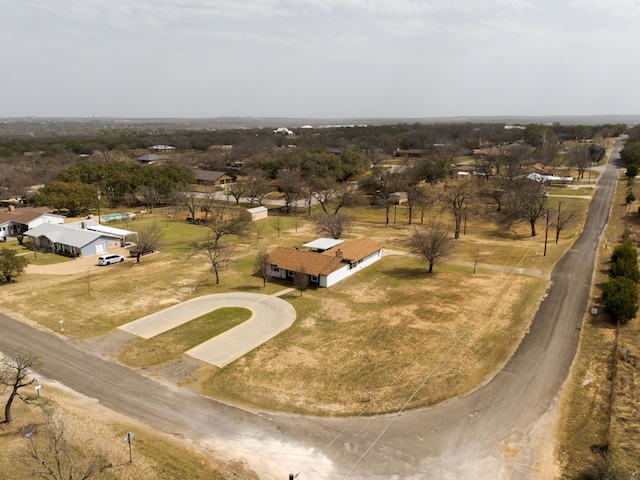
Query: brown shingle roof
[
  {"x": 326, "y": 262},
  {"x": 23, "y": 215},
  {"x": 354, "y": 250},
  {"x": 294, "y": 260}
]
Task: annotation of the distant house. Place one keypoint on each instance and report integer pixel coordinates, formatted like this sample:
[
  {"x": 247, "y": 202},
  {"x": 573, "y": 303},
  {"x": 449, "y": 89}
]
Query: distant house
[
  {"x": 398, "y": 198},
  {"x": 326, "y": 261},
  {"x": 162, "y": 148},
  {"x": 213, "y": 177},
  {"x": 258, "y": 213},
  {"x": 84, "y": 238},
  {"x": 151, "y": 158},
  {"x": 18, "y": 220},
  {"x": 283, "y": 131},
  {"x": 411, "y": 152}
]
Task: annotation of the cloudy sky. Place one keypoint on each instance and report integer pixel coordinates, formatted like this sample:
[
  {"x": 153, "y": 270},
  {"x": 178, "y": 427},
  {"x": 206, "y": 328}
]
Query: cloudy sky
[{"x": 318, "y": 58}]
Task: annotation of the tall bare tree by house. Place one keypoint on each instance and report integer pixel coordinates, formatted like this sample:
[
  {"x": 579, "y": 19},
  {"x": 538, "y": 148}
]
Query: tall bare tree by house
[
  {"x": 148, "y": 239},
  {"x": 332, "y": 225},
  {"x": 261, "y": 266},
  {"x": 301, "y": 279}
]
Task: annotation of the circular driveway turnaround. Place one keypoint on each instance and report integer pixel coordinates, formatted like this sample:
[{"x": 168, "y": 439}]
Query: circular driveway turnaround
[{"x": 271, "y": 315}]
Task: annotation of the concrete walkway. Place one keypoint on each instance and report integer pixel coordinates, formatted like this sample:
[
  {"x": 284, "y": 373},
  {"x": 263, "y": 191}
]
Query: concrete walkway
[{"x": 271, "y": 316}]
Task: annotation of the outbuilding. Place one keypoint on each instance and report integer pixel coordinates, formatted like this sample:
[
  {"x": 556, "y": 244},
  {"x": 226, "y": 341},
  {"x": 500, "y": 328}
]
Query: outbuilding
[{"x": 258, "y": 213}]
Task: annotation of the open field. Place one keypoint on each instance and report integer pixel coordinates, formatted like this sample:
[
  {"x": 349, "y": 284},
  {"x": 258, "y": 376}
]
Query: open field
[{"x": 382, "y": 331}]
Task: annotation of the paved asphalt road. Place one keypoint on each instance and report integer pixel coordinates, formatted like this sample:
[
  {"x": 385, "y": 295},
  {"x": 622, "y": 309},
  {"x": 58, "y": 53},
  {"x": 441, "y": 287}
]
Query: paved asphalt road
[{"x": 485, "y": 434}]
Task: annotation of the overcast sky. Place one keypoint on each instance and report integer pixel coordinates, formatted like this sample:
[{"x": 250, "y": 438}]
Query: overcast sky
[{"x": 318, "y": 58}]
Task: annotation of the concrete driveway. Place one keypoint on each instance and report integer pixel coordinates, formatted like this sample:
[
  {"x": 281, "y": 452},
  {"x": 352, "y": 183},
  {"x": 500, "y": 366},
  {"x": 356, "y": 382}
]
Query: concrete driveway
[{"x": 271, "y": 315}]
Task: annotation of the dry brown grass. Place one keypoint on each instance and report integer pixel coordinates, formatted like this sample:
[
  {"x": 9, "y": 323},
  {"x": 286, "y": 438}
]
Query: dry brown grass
[
  {"x": 92, "y": 429},
  {"x": 386, "y": 331},
  {"x": 598, "y": 407}
]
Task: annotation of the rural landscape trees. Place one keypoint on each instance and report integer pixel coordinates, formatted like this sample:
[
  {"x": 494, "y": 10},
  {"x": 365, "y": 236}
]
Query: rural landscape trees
[{"x": 353, "y": 182}]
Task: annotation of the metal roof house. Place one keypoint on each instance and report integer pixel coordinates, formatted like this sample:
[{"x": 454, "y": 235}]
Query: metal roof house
[
  {"x": 327, "y": 262},
  {"x": 76, "y": 239}
]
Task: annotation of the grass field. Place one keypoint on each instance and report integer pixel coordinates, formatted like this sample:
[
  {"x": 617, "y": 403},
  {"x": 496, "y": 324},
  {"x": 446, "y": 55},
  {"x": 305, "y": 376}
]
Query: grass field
[{"x": 384, "y": 331}]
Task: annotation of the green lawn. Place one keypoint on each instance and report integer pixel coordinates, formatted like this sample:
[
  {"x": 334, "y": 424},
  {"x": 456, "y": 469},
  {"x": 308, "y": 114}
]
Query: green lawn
[{"x": 173, "y": 343}]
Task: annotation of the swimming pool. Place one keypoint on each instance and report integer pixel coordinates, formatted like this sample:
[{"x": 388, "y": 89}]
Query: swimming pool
[{"x": 115, "y": 216}]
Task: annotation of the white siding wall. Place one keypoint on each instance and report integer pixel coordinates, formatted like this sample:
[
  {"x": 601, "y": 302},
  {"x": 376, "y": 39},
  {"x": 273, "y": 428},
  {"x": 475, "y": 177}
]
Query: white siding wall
[
  {"x": 46, "y": 218},
  {"x": 348, "y": 270}
]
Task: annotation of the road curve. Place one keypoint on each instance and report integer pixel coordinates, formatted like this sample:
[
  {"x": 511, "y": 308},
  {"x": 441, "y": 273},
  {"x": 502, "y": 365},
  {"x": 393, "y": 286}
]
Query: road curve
[
  {"x": 270, "y": 316},
  {"x": 466, "y": 438}
]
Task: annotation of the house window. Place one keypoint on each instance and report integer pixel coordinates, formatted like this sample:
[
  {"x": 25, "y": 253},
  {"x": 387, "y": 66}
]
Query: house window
[
  {"x": 289, "y": 273},
  {"x": 275, "y": 269},
  {"x": 314, "y": 278}
]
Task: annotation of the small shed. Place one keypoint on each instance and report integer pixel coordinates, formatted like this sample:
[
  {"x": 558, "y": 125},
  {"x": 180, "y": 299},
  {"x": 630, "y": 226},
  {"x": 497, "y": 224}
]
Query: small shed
[{"x": 258, "y": 213}]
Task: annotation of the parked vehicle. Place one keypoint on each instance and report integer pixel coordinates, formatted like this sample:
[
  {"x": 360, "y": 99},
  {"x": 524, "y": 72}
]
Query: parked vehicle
[
  {"x": 134, "y": 251},
  {"x": 109, "y": 259}
]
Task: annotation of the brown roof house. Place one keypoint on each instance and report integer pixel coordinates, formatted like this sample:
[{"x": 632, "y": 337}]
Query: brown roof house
[
  {"x": 326, "y": 260},
  {"x": 212, "y": 177},
  {"x": 18, "y": 220}
]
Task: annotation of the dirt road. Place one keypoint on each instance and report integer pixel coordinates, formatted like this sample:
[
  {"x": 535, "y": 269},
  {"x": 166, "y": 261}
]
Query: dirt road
[{"x": 496, "y": 432}]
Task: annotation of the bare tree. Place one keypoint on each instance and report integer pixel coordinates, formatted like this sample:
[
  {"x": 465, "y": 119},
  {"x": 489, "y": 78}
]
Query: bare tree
[
  {"x": 433, "y": 243},
  {"x": 15, "y": 374},
  {"x": 528, "y": 201},
  {"x": 257, "y": 186},
  {"x": 291, "y": 184},
  {"x": 53, "y": 457},
  {"x": 238, "y": 189},
  {"x": 276, "y": 223},
  {"x": 580, "y": 158},
  {"x": 148, "y": 239},
  {"x": 332, "y": 225},
  {"x": 331, "y": 195},
  {"x": 150, "y": 196},
  {"x": 261, "y": 266},
  {"x": 455, "y": 196},
  {"x": 215, "y": 249},
  {"x": 258, "y": 229},
  {"x": 301, "y": 279},
  {"x": 191, "y": 201},
  {"x": 564, "y": 218},
  {"x": 227, "y": 221},
  {"x": 207, "y": 201},
  {"x": 219, "y": 254},
  {"x": 512, "y": 160}
]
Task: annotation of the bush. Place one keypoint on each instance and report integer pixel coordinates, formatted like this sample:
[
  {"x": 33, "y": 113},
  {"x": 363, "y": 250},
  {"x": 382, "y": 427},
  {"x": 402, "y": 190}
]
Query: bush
[
  {"x": 624, "y": 262},
  {"x": 620, "y": 297}
]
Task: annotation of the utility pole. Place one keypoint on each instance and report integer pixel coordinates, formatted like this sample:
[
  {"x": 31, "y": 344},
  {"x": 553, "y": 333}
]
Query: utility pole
[{"x": 546, "y": 235}]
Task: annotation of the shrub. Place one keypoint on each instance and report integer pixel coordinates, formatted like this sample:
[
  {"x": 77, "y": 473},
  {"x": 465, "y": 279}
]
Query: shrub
[{"x": 620, "y": 297}]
